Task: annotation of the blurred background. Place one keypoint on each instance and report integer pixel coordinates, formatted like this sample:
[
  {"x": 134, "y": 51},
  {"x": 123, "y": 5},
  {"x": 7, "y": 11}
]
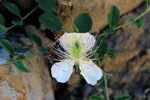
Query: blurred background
[{"x": 130, "y": 71}]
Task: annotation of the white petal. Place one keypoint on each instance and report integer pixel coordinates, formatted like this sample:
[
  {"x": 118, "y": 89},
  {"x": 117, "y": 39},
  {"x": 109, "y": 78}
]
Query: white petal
[
  {"x": 68, "y": 39},
  {"x": 90, "y": 72},
  {"x": 61, "y": 71},
  {"x": 87, "y": 40}
]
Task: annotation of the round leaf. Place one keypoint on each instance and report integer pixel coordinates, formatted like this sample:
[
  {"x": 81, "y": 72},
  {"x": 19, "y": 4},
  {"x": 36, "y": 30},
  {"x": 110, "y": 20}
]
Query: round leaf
[
  {"x": 6, "y": 45},
  {"x": 124, "y": 97},
  {"x": 113, "y": 16},
  {"x": 12, "y": 8},
  {"x": 112, "y": 54},
  {"x": 83, "y": 22},
  {"x": 109, "y": 31},
  {"x": 2, "y": 29},
  {"x": 2, "y": 20},
  {"x": 139, "y": 23},
  {"x": 51, "y": 21},
  {"x": 21, "y": 67},
  {"x": 44, "y": 50},
  {"x": 17, "y": 22},
  {"x": 95, "y": 97},
  {"x": 35, "y": 38},
  {"x": 46, "y": 5}
]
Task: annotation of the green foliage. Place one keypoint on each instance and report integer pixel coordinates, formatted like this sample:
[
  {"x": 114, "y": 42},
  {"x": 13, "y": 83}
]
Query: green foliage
[
  {"x": 113, "y": 16},
  {"x": 83, "y": 22},
  {"x": 147, "y": 1},
  {"x": 35, "y": 38},
  {"x": 46, "y": 5},
  {"x": 21, "y": 67},
  {"x": 2, "y": 29},
  {"x": 51, "y": 21},
  {"x": 102, "y": 47},
  {"x": 139, "y": 23},
  {"x": 17, "y": 22},
  {"x": 2, "y": 20},
  {"x": 124, "y": 97},
  {"x": 112, "y": 54},
  {"x": 12, "y": 8},
  {"x": 95, "y": 97},
  {"x": 109, "y": 31},
  {"x": 42, "y": 50},
  {"x": 6, "y": 45}
]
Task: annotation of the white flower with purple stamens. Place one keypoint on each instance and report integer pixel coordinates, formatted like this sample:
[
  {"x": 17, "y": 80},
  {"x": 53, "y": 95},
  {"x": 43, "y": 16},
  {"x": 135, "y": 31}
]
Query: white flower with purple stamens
[{"x": 78, "y": 51}]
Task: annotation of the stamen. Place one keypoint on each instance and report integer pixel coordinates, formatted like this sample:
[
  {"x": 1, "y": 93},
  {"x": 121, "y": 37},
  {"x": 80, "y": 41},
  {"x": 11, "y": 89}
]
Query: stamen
[
  {"x": 97, "y": 32},
  {"x": 60, "y": 53},
  {"x": 99, "y": 57},
  {"x": 55, "y": 35},
  {"x": 91, "y": 53},
  {"x": 52, "y": 58}
]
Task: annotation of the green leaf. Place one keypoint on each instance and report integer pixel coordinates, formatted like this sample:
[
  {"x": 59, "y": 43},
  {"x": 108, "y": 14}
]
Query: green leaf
[
  {"x": 51, "y": 21},
  {"x": 12, "y": 8},
  {"x": 17, "y": 22},
  {"x": 6, "y": 45},
  {"x": 101, "y": 47},
  {"x": 2, "y": 20},
  {"x": 35, "y": 38},
  {"x": 147, "y": 1},
  {"x": 139, "y": 23},
  {"x": 113, "y": 16},
  {"x": 112, "y": 54},
  {"x": 95, "y": 97},
  {"x": 124, "y": 97},
  {"x": 46, "y": 50},
  {"x": 21, "y": 67},
  {"x": 46, "y": 5},
  {"x": 109, "y": 31},
  {"x": 2, "y": 29},
  {"x": 83, "y": 22}
]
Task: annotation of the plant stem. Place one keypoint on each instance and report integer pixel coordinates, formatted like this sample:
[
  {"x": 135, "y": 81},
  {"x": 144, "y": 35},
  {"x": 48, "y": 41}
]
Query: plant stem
[
  {"x": 106, "y": 88},
  {"x": 29, "y": 13},
  {"x": 23, "y": 18},
  {"x": 27, "y": 57},
  {"x": 103, "y": 61},
  {"x": 10, "y": 27},
  {"x": 20, "y": 59},
  {"x": 147, "y": 5},
  {"x": 124, "y": 25},
  {"x": 145, "y": 12},
  {"x": 58, "y": 10}
]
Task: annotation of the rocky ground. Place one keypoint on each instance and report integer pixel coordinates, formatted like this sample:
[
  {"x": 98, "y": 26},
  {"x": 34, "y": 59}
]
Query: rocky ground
[{"x": 130, "y": 71}]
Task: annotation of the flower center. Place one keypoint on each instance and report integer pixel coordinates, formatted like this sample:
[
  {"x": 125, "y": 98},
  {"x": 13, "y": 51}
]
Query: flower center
[{"x": 76, "y": 50}]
